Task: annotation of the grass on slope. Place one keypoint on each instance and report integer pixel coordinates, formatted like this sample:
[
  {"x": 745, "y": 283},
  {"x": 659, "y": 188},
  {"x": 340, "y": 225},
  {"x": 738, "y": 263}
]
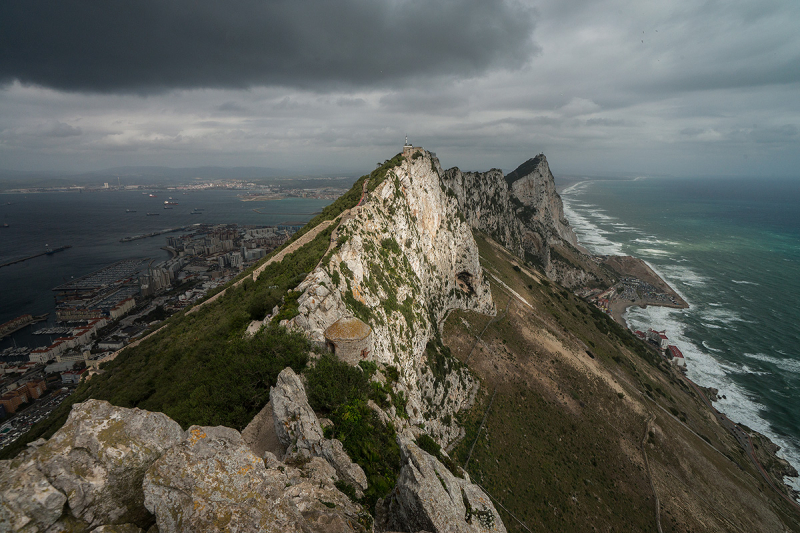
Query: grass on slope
[
  {"x": 560, "y": 448},
  {"x": 199, "y": 369}
]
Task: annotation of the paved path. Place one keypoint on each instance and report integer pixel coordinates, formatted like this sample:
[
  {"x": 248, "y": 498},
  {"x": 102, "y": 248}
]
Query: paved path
[{"x": 649, "y": 473}]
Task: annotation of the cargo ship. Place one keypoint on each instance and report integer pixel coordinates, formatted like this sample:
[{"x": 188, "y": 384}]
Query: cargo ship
[{"x": 152, "y": 214}]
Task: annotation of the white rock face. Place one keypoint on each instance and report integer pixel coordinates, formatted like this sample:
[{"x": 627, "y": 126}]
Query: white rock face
[
  {"x": 521, "y": 211},
  {"x": 405, "y": 257}
]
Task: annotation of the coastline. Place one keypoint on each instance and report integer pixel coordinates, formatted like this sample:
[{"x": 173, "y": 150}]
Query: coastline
[
  {"x": 634, "y": 267},
  {"x": 764, "y": 455}
]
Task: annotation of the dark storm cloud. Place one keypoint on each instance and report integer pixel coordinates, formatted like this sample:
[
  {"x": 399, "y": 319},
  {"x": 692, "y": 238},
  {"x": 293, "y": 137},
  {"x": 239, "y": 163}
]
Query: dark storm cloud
[{"x": 150, "y": 46}]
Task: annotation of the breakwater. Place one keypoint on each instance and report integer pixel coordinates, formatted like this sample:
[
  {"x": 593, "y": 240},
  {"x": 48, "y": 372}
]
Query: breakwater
[
  {"x": 156, "y": 233},
  {"x": 34, "y": 256}
]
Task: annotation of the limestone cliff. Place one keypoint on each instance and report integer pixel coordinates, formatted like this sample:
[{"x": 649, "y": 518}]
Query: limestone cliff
[
  {"x": 523, "y": 212},
  {"x": 399, "y": 262}
]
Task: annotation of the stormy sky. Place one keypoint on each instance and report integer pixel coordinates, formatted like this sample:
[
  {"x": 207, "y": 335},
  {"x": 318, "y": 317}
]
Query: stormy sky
[{"x": 602, "y": 87}]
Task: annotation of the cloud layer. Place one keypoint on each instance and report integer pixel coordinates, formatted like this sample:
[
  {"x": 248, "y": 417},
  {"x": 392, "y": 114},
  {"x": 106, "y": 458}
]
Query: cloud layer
[
  {"x": 149, "y": 46},
  {"x": 601, "y": 86}
]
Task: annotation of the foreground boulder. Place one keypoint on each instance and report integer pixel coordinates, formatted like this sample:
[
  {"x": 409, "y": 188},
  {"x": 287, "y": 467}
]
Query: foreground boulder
[
  {"x": 28, "y": 502},
  {"x": 211, "y": 481},
  {"x": 429, "y": 497},
  {"x": 98, "y": 459},
  {"x": 300, "y": 432}
]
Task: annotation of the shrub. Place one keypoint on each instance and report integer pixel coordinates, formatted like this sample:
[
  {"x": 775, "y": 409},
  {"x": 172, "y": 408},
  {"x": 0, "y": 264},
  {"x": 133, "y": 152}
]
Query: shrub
[{"x": 341, "y": 391}]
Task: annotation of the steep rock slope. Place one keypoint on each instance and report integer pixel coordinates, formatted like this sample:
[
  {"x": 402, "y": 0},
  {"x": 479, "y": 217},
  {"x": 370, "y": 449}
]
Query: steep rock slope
[
  {"x": 523, "y": 212},
  {"x": 400, "y": 261}
]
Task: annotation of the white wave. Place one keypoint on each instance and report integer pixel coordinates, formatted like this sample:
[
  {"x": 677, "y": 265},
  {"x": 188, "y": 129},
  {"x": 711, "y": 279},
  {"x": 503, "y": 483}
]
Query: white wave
[
  {"x": 653, "y": 251},
  {"x": 683, "y": 275},
  {"x": 739, "y": 405},
  {"x": 707, "y": 347},
  {"x": 741, "y": 282},
  {"x": 720, "y": 315},
  {"x": 747, "y": 370},
  {"x": 785, "y": 364},
  {"x": 590, "y": 235},
  {"x": 575, "y": 187}
]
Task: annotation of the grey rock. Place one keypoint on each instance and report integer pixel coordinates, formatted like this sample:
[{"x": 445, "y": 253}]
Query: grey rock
[
  {"x": 260, "y": 433},
  {"x": 435, "y": 268},
  {"x": 28, "y": 502},
  {"x": 295, "y": 422},
  {"x": 100, "y": 456},
  {"x": 211, "y": 481},
  {"x": 522, "y": 211},
  {"x": 299, "y": 430},
  {"x": 347, "y": 470},
  {"x": 429, "y": 497}
]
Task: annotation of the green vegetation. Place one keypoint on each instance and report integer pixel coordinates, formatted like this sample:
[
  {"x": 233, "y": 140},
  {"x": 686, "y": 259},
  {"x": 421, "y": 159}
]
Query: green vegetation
[
  {"x": 200, "y": 368},
  {"x": 340, "y": 392}
]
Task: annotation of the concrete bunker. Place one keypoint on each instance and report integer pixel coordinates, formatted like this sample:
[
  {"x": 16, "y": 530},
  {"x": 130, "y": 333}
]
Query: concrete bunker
[{"x": 349, "y": 339}]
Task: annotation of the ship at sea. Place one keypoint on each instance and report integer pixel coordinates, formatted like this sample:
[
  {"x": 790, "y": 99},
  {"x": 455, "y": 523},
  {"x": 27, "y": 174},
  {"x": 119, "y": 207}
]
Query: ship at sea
[
  {"x": 170, "y": 201},
  {"x": 152, "y": 195},
  {"x": 130, "y": 210},
  {"x": 152, "y": 214}
]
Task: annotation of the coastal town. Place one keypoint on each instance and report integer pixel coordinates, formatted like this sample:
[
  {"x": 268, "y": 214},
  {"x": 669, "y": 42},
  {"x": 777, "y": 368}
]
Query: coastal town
[
  {"x": 251, "y": 190},
  {"x": 105, "y": 310}
]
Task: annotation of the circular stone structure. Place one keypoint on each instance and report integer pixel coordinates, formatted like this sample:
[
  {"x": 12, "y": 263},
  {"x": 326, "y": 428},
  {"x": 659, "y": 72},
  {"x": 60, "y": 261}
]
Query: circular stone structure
[{"x": 349, "y": 339}]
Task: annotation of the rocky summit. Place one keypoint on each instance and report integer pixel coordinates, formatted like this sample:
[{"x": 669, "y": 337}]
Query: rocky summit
[{"x": 416, "y": 359}]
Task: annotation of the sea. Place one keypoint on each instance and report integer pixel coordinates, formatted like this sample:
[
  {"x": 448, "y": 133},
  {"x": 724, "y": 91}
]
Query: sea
[
  {"x": 93, "y": 222},
  {"x": 731, "y": 248}
]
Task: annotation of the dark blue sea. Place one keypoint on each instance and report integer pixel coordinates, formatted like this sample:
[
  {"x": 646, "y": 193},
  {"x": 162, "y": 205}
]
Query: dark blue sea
[
  {"x": 93, "y": 224},
  {"x": 731, "y": 248}
]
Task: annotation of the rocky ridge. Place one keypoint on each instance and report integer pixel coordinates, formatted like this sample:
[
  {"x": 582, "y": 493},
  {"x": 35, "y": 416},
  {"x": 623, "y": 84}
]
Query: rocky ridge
[
  {"x": 402, "y": 260},
  {"x": 523, "y": 212}
]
